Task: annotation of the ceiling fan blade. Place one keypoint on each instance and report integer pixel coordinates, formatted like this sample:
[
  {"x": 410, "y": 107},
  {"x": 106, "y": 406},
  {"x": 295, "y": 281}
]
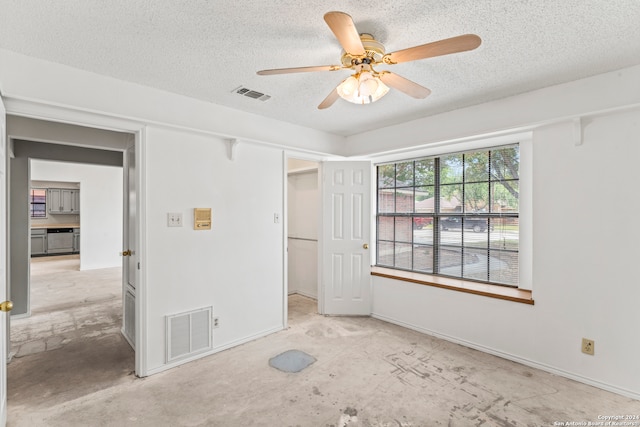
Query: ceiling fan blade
[
  {"x": 404, "y": 85},
  {"x": 329, "y": 100},
  {"x": 299, "y": 70},
  {"x": 429, "y": 50},
  {"x": 345, "y": 31}
]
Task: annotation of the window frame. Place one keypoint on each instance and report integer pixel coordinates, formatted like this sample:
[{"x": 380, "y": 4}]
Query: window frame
[
  {"x": 523, "y": 140},
  {"x": 32, "y": 203}
]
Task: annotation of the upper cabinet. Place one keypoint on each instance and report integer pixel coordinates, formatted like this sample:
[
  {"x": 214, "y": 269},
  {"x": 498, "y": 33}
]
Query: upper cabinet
[{"x": 63, "y": 201}]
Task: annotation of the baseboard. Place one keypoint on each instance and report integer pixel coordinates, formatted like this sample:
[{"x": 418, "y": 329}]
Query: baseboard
[
  {"x": 304, "y": 294},
  {"x": 513, "y": 358},
  {"x": 213, "y": 351}
]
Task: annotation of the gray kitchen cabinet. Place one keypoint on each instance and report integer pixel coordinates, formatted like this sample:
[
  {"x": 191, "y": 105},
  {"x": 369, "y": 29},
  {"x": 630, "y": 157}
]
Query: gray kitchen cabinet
[
  {"x": 63, "y": 201},
  {"x": 38, "y": 241},
  {"x": 76, "y": 240}
]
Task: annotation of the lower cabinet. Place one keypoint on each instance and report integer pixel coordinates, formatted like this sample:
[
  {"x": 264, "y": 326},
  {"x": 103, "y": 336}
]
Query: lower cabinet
[
  {"x": 43, "y": 243},
  {"x": 76, "y": 240},
  {"x": 38, "y": 241}
]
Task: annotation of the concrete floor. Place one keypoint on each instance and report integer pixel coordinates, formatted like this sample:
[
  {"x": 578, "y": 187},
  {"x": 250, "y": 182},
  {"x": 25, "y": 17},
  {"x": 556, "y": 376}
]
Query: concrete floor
[
  {"x": 67, "y": 305},
  {"x": 368, "y": 373}
]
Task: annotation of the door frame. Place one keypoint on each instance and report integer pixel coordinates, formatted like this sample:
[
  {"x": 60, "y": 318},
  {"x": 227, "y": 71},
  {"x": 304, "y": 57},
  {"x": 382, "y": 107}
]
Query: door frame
[
  {"x": 311, "y": 157},
  {"x": 320, "y": 160},
  {"x": 5, "y": 318},
  {"x": 87, "y": 118}
]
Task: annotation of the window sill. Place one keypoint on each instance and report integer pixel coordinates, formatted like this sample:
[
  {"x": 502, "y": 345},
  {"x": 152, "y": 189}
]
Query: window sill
[{"x": 493, "y": 291}]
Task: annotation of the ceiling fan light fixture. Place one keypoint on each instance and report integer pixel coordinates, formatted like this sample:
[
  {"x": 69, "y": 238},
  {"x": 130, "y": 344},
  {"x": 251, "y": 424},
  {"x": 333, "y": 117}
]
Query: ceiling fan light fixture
[
  {"x": 361, "y": 52},
  {"x": 362, "y": 88},
  {"x": 349, "y": 87}
]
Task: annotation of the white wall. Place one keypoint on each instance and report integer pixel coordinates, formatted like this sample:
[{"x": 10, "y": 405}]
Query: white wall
[
  {"x": 27, "y": 78},
  {"x": 604, "y": 92},
  {"x": 237, "y": 266},
  {"x": 584, "y": 265},
  {"x": 100, "y": 208},
  {"x": 303, "y": 207}
]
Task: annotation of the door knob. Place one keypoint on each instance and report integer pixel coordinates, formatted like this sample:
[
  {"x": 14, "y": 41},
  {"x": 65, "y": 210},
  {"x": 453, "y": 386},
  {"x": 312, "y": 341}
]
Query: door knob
[
  {"x": 126, "y": 253},
  {"x": 6, "y": 306},
  {"x": 365, "y": 246}
]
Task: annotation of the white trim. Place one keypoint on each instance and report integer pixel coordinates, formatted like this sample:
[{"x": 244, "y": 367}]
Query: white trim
[
  {"x": 302, "y": 171},
  {"x": 285, "y": 241},
  {"x": 304, "y": 294},
  {"x": 5, "y": 319},
  {"x": 141, "y": 347},
  {"x": 321, "y": 225},
  {"x": 232, "y": 144},
  {"x": 53, "y": 112},
  {"x": 452, "y": 146},
  {"x": 44, "y": 110},
  {"x": 577, "y": 131},
  {"x": 525, "y": 216},
  {"x": 293, "y": 154},
  {"x": 512, "y": 357}
]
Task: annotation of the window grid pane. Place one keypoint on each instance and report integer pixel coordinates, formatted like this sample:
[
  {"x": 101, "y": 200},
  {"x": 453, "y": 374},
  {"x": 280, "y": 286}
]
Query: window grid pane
[
  {"x": 472, "y": 232},
  {"x": 38, "y": 203}
]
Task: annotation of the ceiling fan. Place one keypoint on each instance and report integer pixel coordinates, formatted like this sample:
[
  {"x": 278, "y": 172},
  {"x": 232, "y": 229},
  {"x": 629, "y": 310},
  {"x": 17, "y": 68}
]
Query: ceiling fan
[{"x": 362, "y": 52}]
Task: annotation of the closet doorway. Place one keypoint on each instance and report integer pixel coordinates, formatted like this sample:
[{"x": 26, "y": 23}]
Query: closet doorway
[{"x": 303, "y": 208}]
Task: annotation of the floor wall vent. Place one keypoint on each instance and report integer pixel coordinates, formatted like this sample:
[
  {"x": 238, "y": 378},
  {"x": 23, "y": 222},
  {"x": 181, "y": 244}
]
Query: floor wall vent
[
  {"x": 249, "y": 93},
  {"x": 189, "y": 333}
]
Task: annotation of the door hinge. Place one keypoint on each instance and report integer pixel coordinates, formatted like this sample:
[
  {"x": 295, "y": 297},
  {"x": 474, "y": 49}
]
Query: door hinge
[{"x": 138, "y": 266}]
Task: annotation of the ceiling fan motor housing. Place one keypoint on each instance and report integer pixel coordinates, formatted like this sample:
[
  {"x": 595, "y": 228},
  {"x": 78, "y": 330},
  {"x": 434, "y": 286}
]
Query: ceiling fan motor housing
[{"x": 374, "y": 51}]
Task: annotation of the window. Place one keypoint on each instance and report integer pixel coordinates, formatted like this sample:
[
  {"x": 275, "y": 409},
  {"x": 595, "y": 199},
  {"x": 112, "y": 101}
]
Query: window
[
  {"x": 38, "y": 203},
  {"x": 453, "y": 215}
]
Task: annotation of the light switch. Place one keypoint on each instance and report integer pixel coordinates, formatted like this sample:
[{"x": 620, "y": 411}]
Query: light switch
[{"x": 174, "y": 219}]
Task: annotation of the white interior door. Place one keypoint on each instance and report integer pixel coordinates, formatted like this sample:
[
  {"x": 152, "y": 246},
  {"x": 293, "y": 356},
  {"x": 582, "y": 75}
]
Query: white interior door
[
  {"x": 4, "y": 325},
  {"x": 130, "y": 258},
  {"x": 345, "y": 263}
]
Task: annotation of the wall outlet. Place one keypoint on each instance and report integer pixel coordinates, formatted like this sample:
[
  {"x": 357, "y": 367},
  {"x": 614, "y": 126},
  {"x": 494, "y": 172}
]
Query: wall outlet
[
  {"x": 216, "y": 322},
  {"x": 174, "y": 219},
  {"x": 588, "y": 346}
]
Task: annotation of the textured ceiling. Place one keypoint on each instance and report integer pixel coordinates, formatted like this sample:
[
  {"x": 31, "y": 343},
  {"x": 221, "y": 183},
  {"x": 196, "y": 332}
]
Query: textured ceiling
[{"x": 206, "y": 48}]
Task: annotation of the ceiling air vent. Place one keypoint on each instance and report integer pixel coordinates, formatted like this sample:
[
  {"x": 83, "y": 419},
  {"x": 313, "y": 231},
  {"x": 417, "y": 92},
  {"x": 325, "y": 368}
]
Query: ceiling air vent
[{"x": 254, "y": 94}]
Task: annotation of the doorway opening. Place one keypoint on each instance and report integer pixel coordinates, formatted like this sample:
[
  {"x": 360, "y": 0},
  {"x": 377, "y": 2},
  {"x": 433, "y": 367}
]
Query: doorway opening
[
  {"x": 77, "y": 292},
  {"x": 303, "y": 230},
  {"x": 70, "y": 318},
  {"x": 71, "y": 344},
  {"x": 68, "y": 306}
]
